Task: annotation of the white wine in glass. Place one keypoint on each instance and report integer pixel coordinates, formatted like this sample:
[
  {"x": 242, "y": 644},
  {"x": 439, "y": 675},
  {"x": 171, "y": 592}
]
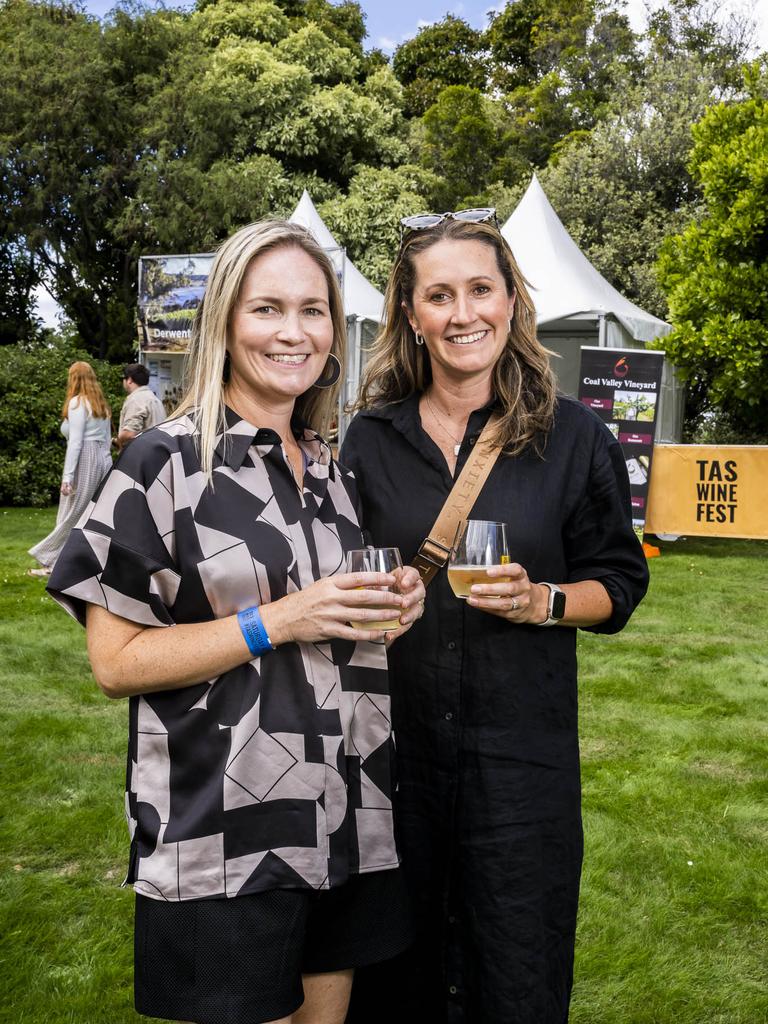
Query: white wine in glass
[
  {"x": 478, "y": 545},
  {"x": 376, "y": 560}
]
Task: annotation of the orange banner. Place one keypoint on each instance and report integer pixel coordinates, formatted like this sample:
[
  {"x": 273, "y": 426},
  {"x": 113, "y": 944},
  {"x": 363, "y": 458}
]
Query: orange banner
[{"x": 709, "y": 491}]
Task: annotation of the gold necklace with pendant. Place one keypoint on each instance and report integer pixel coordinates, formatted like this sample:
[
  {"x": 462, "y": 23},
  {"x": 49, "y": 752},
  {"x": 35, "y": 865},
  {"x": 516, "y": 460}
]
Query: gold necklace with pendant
[{"x": 439, "y": 422}]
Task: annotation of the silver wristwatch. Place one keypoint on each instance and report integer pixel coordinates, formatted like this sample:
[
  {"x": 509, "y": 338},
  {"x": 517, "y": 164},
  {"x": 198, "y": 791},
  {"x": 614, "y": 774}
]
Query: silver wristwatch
[{"x": 555, "y": 605}]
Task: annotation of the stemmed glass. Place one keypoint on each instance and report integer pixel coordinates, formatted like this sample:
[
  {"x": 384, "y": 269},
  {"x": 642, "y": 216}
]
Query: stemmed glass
[
  {"x": 376, "y": 560},
  {"x": 477, "y": 545}
]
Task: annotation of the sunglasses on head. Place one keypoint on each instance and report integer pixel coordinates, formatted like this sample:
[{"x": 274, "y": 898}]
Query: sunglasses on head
[{"x": 424, "y": 221}]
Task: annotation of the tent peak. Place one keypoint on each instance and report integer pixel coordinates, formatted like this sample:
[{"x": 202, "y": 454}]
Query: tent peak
[
  {"x": 361, "y": 299},
  {"x": 564, "y": 282}
]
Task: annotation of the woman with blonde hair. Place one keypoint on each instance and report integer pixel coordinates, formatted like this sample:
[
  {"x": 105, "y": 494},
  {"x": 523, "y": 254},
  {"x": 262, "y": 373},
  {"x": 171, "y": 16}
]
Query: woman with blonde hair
[
  {"x": 85, "y": 423},
  {"x": 211, "y": 578},
  {"x": 484, "y": 694}
]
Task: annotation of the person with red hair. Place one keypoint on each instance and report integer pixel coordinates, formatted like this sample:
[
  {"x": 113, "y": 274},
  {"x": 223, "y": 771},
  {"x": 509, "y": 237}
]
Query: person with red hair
[{"x": 86, "y": 424}]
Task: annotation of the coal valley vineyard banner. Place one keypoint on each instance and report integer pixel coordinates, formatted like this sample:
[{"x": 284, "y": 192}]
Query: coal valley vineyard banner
[{"x": 623, "y": 385}]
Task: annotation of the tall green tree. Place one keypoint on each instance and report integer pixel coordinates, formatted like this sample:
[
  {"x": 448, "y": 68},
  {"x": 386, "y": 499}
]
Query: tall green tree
[
  {"x": 556, "y": 62},
  {"x": 460, "y": 144},
  {"x": 67, "y": 151},
  {"x": 716, "y": 270},
  {"x": 449, "y": 52},
  {"x": 719, "y": 35},
  {"x": 257, "y": 106},
  {"x": 164, "y": 130},
  {"x": 18, "y": 318},
  {"x": 621, "y": 188}
]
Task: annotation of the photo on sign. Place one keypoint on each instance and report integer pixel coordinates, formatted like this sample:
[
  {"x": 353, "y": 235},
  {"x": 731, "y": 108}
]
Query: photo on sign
[
  {"x": 637, "y": 468},
  {"x": 614, "y": 428},
  {"x": 634, "y": 405},
  {"x": 170, "y": 290}
]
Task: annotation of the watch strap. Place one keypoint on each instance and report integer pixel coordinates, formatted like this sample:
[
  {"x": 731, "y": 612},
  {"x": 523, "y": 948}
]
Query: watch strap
[{"x": 552, "y": 619}]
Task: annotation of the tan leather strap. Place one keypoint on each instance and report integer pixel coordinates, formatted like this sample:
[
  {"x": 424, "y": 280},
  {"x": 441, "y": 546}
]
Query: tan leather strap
[{"x": 436, "y": 549}]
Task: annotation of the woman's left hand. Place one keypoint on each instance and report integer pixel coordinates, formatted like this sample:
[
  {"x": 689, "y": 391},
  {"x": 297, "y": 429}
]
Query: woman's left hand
[
  {"x": 513, "y": 597},
  {"x": 67, "y": 489},
  {"x": 411, "y": 588}
]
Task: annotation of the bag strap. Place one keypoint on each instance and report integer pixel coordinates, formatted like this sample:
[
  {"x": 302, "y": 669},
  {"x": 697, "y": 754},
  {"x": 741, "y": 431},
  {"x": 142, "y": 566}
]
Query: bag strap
[{"x": 436, "y": 548}]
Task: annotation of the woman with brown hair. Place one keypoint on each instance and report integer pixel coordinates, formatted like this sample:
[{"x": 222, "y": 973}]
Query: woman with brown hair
[
  {"x": 484, "y": 698},
  {"x": 211, "y": 577},
  {"x": 85, "y": 423}
]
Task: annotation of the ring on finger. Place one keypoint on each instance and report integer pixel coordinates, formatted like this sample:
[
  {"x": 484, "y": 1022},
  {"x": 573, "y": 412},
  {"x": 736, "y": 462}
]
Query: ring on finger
[{"x": 515, "y": 604}]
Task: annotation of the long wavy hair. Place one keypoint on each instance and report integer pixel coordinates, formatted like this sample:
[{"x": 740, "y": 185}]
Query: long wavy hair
[
  {"x": 523, "y": 381},
  {"x": 82, "y": 384},
  {"x": 206, "y": 366}
]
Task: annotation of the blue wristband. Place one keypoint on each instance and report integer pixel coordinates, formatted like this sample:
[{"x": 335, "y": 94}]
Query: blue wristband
[{"x": 254, "y": 632}]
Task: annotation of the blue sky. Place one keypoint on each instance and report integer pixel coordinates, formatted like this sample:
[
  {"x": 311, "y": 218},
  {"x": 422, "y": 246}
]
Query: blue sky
[
  {"x": 392, "y": 21},
  {"x": 389, "y": 21}
]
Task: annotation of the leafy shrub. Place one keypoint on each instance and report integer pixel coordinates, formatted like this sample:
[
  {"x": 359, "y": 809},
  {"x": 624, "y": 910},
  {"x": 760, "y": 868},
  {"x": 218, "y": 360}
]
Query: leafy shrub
[
  {"x": 33, "y": 381},
  {"x": 716, "y": 426}
]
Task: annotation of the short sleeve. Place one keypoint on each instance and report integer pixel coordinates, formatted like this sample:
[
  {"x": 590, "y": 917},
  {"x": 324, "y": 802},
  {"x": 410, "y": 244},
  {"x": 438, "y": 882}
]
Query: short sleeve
[
  {"x": 600, "y": 541},
  {"x": 119, "y": 554}
]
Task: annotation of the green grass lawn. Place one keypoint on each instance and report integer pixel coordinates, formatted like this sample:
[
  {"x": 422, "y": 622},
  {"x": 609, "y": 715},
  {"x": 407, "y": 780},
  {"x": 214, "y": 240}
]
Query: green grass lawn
[{"x": 674, "y": 718}]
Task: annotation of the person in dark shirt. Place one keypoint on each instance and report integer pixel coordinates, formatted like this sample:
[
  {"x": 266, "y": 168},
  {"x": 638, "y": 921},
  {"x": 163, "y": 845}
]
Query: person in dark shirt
[
  {"x": 210, "y": 573},
  {"x": 484, "y": 690}
]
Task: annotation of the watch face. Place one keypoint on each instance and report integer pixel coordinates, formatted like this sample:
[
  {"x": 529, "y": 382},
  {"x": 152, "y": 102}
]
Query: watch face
[{"x": 558, "y": 604}]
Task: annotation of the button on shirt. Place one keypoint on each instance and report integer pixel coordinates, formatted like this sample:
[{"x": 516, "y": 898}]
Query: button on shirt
[{"x": 277, "y": 773}]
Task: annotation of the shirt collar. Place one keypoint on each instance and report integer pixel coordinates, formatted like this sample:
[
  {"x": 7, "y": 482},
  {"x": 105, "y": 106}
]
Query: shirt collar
[
  {"x": 239, "y": 436},
  {"x": 404, "y": 417}
]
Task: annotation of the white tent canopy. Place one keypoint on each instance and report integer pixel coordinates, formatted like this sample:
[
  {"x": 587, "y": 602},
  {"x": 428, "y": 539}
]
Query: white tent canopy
[
  {"x": 576, "y": 306},
  {"x": 564, "y": 282},
  {"x": 363, "y": 304},
  {"x": 361, "y": 299}
]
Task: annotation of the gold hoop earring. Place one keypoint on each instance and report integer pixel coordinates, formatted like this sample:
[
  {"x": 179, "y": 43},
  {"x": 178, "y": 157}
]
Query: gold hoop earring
[{"x": 332, "y": 378}]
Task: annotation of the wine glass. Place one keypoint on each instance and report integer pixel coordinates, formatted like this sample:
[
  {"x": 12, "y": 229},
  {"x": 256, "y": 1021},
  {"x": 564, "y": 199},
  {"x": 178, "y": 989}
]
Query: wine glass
[
  {"x": 373, "y": 559},
  {"x": 477, "y": 545}
]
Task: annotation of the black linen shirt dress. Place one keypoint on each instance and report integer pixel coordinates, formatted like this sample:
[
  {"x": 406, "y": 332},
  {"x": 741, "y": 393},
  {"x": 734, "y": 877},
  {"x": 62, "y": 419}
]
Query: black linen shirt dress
[{"x": 485, "y": 714}]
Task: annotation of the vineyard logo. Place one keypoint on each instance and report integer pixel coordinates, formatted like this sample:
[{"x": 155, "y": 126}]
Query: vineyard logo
[{"x": 621, "y": 369}]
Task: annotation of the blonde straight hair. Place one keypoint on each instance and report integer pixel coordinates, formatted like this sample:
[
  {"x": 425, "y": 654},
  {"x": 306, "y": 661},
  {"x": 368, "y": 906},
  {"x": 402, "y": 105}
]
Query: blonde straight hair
[
  {"x": 205, "y": 368},
  {"x": 82, "y": 383},
  {"x": 523, "y": 382}
]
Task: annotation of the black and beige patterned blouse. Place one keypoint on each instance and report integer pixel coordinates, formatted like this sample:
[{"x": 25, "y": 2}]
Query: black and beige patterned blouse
[{"x": 273, "y": 775}]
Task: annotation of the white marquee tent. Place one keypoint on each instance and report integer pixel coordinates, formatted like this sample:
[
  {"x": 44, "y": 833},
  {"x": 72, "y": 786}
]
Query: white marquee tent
[
  {"x": 363, "y": 304},
  {"x": 576, "y": 306},
  {"x": 361, "y": 299}
]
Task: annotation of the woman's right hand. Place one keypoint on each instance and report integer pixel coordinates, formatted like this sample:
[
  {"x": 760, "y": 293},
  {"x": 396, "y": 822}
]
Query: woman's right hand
[
  {"x": 129, "y": 659},
  {"x": 323, "y": 610}
]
